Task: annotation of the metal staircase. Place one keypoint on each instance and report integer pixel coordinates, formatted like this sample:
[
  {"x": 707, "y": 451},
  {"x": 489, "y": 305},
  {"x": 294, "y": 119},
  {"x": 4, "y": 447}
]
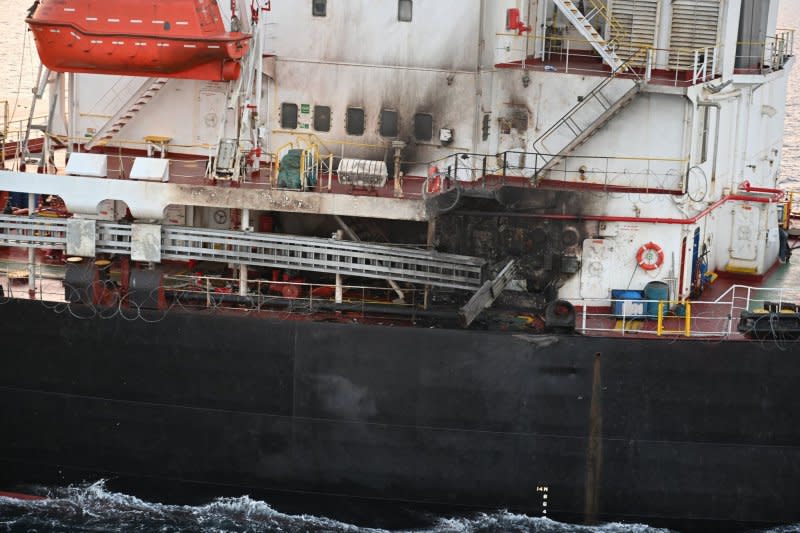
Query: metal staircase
[
  {"x": 581, "y": 122},
  {"x": 28, "y": 157},
  {"x": 587, "y": 29},
  {"x": 329, "y": 256},
  {"x": 141, "y": 97}
]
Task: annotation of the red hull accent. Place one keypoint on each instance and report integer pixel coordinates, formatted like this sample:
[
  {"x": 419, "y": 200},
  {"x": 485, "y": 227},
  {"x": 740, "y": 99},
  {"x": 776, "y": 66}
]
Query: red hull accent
[
  {"x": 175, "y": 39},
  {"x": 19, "y": 496}
]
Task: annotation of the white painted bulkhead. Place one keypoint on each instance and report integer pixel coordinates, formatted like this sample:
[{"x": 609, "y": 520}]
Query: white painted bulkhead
[{"x": 703, "y": 140}]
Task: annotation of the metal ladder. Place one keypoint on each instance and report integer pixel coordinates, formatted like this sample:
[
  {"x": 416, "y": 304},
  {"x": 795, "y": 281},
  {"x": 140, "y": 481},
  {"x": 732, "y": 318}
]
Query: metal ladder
[
  {"x": 585, "y": 28},
  {"x": 141, "y": 97},
  {"x": 328, "y": 256},
  {"x": 43, "y": 79},
  {"x": 581, "y": 122}
]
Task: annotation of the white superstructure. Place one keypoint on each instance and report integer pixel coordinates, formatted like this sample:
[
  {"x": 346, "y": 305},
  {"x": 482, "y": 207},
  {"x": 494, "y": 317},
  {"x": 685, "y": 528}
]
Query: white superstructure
[{"x": 667, "y": 116}]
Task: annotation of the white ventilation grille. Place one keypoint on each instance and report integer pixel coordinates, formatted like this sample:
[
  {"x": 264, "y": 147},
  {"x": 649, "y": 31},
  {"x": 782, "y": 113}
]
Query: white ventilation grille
[
  {"x": 695, "y": 25},
  {"x": 634, "y": 27}
]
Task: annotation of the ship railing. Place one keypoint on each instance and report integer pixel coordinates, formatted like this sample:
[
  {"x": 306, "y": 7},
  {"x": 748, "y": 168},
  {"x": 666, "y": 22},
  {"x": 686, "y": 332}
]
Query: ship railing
[
  {"x": 328, "y": 152},
  {"x": 789, "y": 209},
  {"x": 749, "y": 298},
  {"x": 219, "y": 292},
  {"x": 46, "y": 284},
  {"x": 763, "y": 57},
  {"x": 4, "y": 132},
  {"x": 527, "y": 169},
  {"x": 291, "y": 295},
  {"x": 12, "y": 135},
  {"x": 674, "y": 66},
  {"x": 659, "y": 318}
]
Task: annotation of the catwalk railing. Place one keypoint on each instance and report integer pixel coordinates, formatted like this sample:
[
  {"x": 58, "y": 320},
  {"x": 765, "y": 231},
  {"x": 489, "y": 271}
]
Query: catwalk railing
[
  {"x": 606, "y": 317},
  {"x": 519, "y": 168},
  {"x": 763, "y": 57},
  {"x": 677, "y": 67}
]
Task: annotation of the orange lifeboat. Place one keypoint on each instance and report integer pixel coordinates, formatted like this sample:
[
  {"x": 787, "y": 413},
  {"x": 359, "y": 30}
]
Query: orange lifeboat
[{"x": 153, "y": 38}]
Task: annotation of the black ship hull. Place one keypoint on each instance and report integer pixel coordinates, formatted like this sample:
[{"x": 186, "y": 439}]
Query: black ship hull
[{"x": 695, "y": 434}]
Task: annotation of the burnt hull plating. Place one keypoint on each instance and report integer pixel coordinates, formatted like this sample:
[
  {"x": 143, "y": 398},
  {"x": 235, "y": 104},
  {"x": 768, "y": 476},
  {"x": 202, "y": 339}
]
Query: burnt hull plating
[{"x": 693, "y": 433}]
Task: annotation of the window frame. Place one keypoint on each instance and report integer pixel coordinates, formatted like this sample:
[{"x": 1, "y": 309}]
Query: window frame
[
  {"x": 347, "y": 121},
  {"x": 284, "y": 106},
  {"x": 314, "y": 120},
  {"x": 315, "y": 4},
  {"x": 400, "y": 4},
  {"x": 416, "y": 129},
  {"x": 381, "y": 121}
]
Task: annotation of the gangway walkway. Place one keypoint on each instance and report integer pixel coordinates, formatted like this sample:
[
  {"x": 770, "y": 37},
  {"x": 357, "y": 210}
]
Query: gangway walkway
[{"x": 329, "y": 256}]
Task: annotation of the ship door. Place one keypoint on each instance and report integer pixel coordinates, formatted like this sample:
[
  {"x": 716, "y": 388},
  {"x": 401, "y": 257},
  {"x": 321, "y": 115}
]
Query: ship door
[
  {"x": 695, "y": 283},
  {"x": 209, "y": 114},
  {"x": 597, "y": 268},
  {"x": 744, "y": 240}
]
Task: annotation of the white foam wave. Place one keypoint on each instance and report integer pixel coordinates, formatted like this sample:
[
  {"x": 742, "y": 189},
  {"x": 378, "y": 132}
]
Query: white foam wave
[{"x": 504, "y": 521}]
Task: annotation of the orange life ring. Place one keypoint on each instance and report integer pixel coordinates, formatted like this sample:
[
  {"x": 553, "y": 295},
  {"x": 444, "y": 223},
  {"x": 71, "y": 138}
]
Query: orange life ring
[
  {"x": 433, "y": 185},
  {"x": 650, "y": 256}
]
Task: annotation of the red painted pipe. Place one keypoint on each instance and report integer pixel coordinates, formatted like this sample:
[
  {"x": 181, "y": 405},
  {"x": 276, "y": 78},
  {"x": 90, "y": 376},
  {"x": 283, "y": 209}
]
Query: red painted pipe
[{"x": 746, "y": 187}]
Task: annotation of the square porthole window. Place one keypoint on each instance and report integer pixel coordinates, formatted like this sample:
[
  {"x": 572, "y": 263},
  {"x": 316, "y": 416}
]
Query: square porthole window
[
  {"x": 388, "y": 126},
  {"x": 405, "y": 10},
  {"x": 423, "y": 126},
  {"x": 355, "y": 121},
  {"x": 319, "y": 8},
  {"x": 322, "y": 118},
  {"x": 289, "y": 116}
]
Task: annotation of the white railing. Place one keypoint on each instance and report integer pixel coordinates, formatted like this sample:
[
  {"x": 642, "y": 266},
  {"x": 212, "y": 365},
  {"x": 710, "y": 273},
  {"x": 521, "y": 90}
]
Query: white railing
[
  {"x": 684, "y": 319},
  {"x": 717, "y": 319},
  {"x": 696, "y": 319},
  {"x": 747, "y": 298},
  {"x": 212, "y": 292},
  {"x": 679, "y": 67},
  {"x": 704, "y": 64},
  {"x": 762, "y": 57}
]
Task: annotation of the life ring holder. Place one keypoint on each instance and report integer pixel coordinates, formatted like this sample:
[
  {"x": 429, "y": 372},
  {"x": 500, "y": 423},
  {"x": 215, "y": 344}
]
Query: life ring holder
[{"x": 650, "y": 256}]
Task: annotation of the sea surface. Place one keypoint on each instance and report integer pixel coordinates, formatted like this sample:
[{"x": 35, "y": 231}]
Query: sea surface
[{"x": 94, "y": 508}]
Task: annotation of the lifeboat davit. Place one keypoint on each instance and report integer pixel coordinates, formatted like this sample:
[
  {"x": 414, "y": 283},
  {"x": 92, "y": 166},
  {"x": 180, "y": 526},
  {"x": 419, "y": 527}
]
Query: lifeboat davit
[{"x": 153, "y": 38}]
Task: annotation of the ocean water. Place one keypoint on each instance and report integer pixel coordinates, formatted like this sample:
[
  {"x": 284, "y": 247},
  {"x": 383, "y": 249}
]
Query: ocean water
[
  {"x": 94, "y": 508},
  {"x": 789, "y": 18},
  {"x": 20, "y": 62}
]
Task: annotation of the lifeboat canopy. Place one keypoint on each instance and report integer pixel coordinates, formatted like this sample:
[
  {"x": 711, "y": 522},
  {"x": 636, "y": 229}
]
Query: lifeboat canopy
[{"x": 154, "y": 38}]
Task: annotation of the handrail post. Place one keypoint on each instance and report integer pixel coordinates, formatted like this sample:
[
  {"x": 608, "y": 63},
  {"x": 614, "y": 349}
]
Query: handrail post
[
  {"x": 688, "y": 325},
  {"x": 330, "y": 170},
  {"x": 505, "y": 163},
  {"x": 583, "y": 320},
  {"x": 624, "y": 319},
  {"x": 660, "y": 323}
]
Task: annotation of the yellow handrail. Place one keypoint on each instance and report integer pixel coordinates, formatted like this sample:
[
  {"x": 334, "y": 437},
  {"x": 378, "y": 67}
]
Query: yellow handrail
[
  {"x": 687, "y": 328},
  {"x": 787, "y": 210}
]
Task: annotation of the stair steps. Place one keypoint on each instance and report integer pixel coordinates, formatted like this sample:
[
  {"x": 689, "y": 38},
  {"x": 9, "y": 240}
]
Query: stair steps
[
  {"x": 585, "y": 28},
  {"x": 140, "y": 98}
]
